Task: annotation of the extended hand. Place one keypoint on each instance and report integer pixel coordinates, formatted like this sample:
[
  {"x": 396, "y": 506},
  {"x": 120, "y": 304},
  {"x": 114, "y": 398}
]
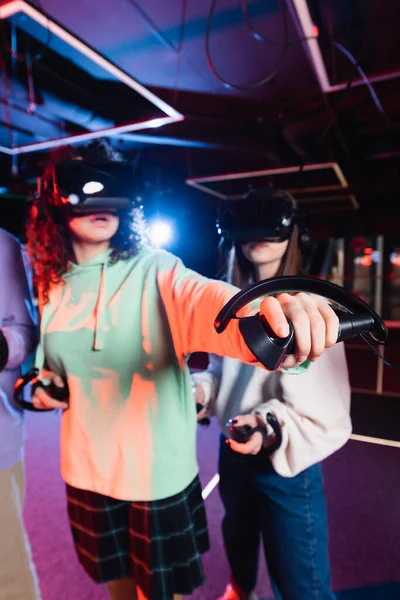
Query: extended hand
[
  {"x": 254, "y": 445},
  {"x": 315, "y": 324}
]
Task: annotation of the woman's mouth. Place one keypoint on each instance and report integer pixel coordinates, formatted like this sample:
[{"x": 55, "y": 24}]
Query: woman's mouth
[
  {"x": 100, "y": 218},
  {"x": 259, "y": 244}
]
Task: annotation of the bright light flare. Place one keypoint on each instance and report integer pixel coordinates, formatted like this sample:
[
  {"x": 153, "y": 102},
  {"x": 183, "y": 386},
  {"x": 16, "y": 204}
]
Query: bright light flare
[{"x": 160, "y": 233}]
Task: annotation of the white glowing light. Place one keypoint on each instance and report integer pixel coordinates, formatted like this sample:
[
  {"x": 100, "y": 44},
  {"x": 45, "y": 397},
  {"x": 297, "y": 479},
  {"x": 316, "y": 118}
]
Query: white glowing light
[
  {"x": 154, "y": 123},
  {"x": 160, "y": 233},
  {"x": 92, "y": 187},
  {"x": 73, "y": 199}
]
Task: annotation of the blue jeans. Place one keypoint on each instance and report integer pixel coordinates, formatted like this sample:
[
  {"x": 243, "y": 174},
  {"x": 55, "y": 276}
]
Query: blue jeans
[{"x": 288, "y": 514}]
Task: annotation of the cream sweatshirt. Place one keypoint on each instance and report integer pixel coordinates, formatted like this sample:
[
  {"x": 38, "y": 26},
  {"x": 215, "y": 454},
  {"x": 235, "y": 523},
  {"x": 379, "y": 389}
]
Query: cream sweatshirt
[{"x": 313, "y": 408}]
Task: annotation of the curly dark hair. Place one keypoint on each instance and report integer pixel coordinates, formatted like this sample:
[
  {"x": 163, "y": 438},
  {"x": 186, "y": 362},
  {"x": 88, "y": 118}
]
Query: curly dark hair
[{"x": 48, "y": 239}]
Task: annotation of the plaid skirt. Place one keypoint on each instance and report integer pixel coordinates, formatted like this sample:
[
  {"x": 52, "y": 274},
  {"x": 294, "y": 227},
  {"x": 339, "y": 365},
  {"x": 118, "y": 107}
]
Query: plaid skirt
[{"x": 158, "y": 543}]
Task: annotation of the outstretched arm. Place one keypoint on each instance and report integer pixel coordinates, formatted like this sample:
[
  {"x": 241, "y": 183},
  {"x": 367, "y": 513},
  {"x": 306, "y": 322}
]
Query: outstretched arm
[{"x": 192, "y": 302}]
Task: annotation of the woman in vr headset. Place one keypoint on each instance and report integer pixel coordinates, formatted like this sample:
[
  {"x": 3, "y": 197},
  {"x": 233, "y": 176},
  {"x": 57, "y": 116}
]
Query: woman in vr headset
[
  {"x": 274, "y": 494},
  {"x": 118, "y": 322}
]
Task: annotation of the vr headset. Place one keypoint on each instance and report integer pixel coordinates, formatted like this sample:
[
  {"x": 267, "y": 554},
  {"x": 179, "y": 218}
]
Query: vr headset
[
  {"x": 262, "y": 215},
  {"x": 83, "y": 187}
]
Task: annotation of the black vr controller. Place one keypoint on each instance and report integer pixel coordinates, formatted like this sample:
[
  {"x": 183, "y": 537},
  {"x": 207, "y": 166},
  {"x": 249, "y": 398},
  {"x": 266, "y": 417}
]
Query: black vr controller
[
  {"x": 57, "y": 393},
  {"x": 205, "y": 421},
  {"x": 242, "y": 433},
  {"x": 355, "y": 318}
]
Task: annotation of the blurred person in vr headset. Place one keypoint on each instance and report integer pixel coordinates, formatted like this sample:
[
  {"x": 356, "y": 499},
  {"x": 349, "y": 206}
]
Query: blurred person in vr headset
[
  {"x": 274, "y": 494},
  {"x": 17, "y": 342},
  {"x": 118, "y": 323}
]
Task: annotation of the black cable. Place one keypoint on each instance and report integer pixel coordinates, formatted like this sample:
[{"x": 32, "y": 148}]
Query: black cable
[
  {"x": 364, "y": 42},
  {"x": 366, "y": 81},
  {"x": 154, "y": 29},
  {"x": 371, "y": 90},
  {"x": 356, "y": 65},
  {"x": 263, "y": 81},
  {"x": 382, "y": 358},
  {"x": 262, "y": 38}
]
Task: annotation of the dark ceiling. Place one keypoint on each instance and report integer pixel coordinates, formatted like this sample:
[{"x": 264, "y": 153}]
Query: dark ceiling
[{"x": 288, "y": 121}]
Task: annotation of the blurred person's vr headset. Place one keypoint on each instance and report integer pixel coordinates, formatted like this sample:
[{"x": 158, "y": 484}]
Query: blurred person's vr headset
[
  {"x": 80, "y": 186},
  {"x": 269, "y": 214}
]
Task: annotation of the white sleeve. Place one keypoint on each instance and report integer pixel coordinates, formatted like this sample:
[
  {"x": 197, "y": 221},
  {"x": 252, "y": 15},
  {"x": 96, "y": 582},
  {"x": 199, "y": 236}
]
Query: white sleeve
[
  {"x": 314, "y": 414},
  {"x": 210, "y": 381}
]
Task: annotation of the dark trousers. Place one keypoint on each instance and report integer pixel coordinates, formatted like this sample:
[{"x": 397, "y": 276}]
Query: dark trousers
[{"x": 287, "y": 514}]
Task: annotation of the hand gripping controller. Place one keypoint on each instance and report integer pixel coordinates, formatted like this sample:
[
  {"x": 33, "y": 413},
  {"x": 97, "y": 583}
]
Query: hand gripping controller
[
  {"x": 58, "y": 393},
  {"x": 242, "y": 433},
  {"x": 355, "y": 317}
]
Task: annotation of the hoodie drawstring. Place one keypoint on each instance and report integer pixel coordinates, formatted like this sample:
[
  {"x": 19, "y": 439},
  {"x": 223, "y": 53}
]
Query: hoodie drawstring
[{"x": 100, "y": 313}]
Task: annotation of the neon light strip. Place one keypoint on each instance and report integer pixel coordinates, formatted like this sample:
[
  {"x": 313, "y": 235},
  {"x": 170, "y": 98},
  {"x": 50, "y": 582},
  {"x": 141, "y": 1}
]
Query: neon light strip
[
  {"x": 207, "y": 190},
  {"x": 312, "y": 46},
  {"x": 84, "y": 137},
  {"x": 305, "y": 26},
  {"x": 308, "y": 200},
  {"x": 9, "y": 9},
  {"x": 339, "y": 174},
  {"x": 393, "y": 324},
  {"x": 6, "y": 150},
  {"x": 320, "y": 188},
  {"x": 371, "y": 78},
  {"x": 210, "y": 486},
  {"x": 373, "y": 440},
  {"x": 280, "y": 171},
  {"x": 198, "y": 182}
]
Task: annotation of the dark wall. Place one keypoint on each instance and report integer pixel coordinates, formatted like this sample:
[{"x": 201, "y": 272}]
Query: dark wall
[{"x": 13, "y": 213}]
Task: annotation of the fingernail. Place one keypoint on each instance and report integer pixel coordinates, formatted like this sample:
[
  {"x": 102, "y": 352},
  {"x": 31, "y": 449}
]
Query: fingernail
[
  {"x": 301, "y": 359},
  {"x": 227, "y": 442},
  {"x": 283, "y": 330}
]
